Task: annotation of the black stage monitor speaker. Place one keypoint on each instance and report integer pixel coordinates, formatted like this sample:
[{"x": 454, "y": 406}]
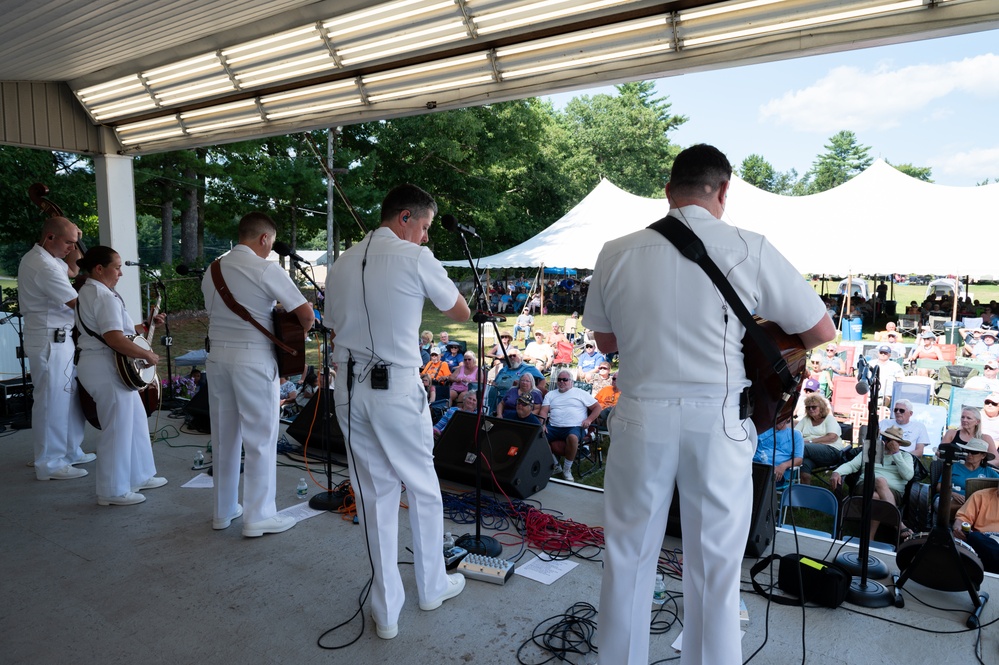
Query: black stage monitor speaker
[
  {"x": 517, "y": 454},
  {"x": 761, "y": 526},
  {"x": 197, "y": 409},
  {"x": 307, "y": 418}
]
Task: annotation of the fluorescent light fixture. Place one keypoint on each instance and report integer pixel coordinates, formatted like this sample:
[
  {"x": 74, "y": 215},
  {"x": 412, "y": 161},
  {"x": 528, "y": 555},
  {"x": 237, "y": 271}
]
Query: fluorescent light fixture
[
  {"x": 255, "y": 46},
  {"x": 217, "y": 109},
  {"x": 183, "y": 68},
  {"x": 150, "y": 137},
  {"x": 227, "y": 123},
  {"x": 445, "y": 85},
  {"x": 314, "y": 90},
  {"x": 695, "y": 14},
  {"x": 403, "y": 48},
  {"x": 411, "y": 71},
  {"x": 394, "y": 16},
  {"x": 254, "y": 76},
  {"x": 125, "y": 83},
  {"x": 581, "y": 37},
  {"x": 94, "y": 94},
  {"x": 581, "y": 62},
  {"x": 131, "y": 127},
  {"x": 283, "y": 48},
  {"x": 216, "y": 82},
  {"x": 803, "y": 23},
  {"x": 313, "y": 108},
  {"x": 228, "y": 87},
  {"x": 573, "y": 8},
  {"x": 100, "y": 114},
  {"x": 186, "y": 73},
  {"x": 407, "y": 38}
]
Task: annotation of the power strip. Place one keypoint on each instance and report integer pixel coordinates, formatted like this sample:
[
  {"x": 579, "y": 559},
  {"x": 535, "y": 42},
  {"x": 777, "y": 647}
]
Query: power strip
[
  {"x": 453, "y": 555},
  {"x": 486, "y": 568}
]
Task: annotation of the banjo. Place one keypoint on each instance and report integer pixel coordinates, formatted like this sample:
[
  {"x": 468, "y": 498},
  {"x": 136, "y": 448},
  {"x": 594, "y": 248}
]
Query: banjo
[{"x": 134, "y": 372}]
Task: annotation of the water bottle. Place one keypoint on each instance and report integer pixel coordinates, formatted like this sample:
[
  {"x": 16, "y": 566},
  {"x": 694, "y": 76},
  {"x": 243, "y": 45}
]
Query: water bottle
[
  {"x": 448, "y": 541},
  {"x": 199, "y": 460},
  {"x": 302, "y": 491},
  {"x": 659, "y": 594}
]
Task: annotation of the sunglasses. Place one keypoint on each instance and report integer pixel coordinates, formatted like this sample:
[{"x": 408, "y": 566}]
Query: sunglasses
[
  {"x": 564, "y": 380},
  {"x": 809, "y": 408},
  {"x": 809, "y": 391},
  {"x": 899, "y": 410},
  {"x": 884, "y": 353},
  {"x": 605, "y": 369},
  {"x": 991, "y": 403}
]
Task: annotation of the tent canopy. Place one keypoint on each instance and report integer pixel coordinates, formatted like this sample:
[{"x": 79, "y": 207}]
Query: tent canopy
[{"x": 880, "y": 222}]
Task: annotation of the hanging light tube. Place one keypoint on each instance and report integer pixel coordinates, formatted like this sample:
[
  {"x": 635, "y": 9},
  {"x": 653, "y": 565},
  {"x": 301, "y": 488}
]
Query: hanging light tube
[{"x": 580, "y": 62}]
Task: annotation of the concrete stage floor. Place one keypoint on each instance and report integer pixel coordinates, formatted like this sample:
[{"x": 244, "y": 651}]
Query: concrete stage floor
[{"x": 153, "y": 583}]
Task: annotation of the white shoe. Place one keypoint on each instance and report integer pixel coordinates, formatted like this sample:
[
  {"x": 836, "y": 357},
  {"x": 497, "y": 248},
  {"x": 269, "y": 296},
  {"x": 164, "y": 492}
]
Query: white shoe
[
  {"x": 151, "y": 484},
  {"x": 219, "y": 524},
  {"x": 455, "y": 585},
  {"x": 567, "y": 474},
  {"x": 87, "y": 457},
  {"x": 127, "y": 499},
  {"x": 275, "y": 524},
  {"x": 65, "y": 473},
  {"x": 386, "y": 632}
]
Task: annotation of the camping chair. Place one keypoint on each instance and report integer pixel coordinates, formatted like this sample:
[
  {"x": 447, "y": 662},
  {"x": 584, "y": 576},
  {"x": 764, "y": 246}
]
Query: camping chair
[
  {"x": 845, "y": 395},
  {"x": 936, "y": 323},
  {"x": 881, "y": 511},
  {"x": 917, "y": 393},
  {"x": 934, "y": 419},
  {"x": 950, "y": 377},
  {"x": 583, "y": 385},
  {"x": 818, "y": 499},
  {"x": 908, "y": 325},
  {"x": 960, "y": 398}
]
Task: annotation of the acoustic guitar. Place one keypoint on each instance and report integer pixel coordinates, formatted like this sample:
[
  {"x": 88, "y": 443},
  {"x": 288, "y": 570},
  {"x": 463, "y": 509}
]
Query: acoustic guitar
[
  {"x": 288, "y": 332},
  {"x": 134, "y": 372},
  {"x": 767, "y": 393}
]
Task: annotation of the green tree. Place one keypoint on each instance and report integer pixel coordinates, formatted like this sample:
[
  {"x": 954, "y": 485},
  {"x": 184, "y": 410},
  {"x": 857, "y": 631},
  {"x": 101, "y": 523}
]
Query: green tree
[
  {"x": 760, "y": 173},
  {"x": 924, "y": 173},
  {"x": 845, "y": 158}
]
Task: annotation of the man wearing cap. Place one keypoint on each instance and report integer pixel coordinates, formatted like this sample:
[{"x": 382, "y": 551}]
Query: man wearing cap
[
  {"x": 567, "y": 413},
  {"x": 588, "y": 361},
  {"x": 987, "y": 380},
  {"x": 892, "y": 341},
  {"x": 912, "y": 430},
  {"x": 981, "y": 511},
  {"x": 889, "y": 371},
  {"x": 890, "y": 474},
  {"x": 986, "y": 348},
  {"x": 436, "y": 369},
  {"x": 524, "y": 412},
  {"x": 832, "y": 362},
  {"x": 524, "y": 324}
]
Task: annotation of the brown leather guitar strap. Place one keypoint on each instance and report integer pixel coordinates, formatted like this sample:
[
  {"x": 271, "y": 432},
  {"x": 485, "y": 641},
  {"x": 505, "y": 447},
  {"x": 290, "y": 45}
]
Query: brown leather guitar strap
[{"x": 239, "y": 310}]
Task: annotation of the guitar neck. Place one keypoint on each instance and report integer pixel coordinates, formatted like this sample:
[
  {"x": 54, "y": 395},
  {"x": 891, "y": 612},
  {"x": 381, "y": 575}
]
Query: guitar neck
[{"x": 152, "y": 320}]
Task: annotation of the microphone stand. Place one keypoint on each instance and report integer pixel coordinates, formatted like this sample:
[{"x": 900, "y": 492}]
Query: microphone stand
[
  {"x": 479, "y": 544},
  {"x": 325, "y": 500},
  {"x": 169, "y": 401},
  {"x": 865, "y": 592},
  {"x": 25, "y": 421}
]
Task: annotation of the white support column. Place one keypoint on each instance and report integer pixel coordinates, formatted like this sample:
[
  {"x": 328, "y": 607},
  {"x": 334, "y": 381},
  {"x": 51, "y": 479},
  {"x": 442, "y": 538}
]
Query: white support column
[{"x": 119, "y": 230}]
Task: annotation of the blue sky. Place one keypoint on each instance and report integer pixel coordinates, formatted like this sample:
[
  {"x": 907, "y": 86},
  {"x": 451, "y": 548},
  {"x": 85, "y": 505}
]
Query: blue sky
[{"x": 930, "y": 103}]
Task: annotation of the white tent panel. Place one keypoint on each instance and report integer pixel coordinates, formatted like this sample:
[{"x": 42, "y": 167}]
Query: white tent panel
[{"x": 879, "y": 222}]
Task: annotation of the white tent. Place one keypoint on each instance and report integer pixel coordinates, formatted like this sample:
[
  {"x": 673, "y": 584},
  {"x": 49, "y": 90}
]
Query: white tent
[{"x": 880, "y": 222}]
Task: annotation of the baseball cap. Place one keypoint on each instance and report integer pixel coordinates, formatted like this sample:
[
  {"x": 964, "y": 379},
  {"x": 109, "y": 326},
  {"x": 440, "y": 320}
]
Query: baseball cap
[
  {"x": 811, "y": 384},
  {"x": 884, "y": 349},
  {"x": 435, "y": 352},
  {"x": 525, "y": 399}
]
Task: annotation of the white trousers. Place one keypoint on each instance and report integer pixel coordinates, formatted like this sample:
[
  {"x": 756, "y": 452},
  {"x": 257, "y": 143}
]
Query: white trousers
[
  {"x": 707, "y": 452},
  {"x": 243, "y": 403},
  {"x": 124, "y": 453},
  {"x": 390, "y": 441},
  {"x": 56, "y": 417}
]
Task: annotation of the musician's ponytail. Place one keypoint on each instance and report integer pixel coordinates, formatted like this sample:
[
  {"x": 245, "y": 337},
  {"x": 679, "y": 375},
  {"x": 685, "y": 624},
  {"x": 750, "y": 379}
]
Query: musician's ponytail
[{"x": 99, "y": 255}]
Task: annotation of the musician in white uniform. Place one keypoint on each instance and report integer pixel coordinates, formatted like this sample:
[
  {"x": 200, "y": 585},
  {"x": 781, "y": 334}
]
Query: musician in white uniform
[
  {"x": 125, "y": 463},
  {"x": 375, "y": 294},
  {"x": 46, "y": 300},
  {"x": 677, "y": 421},
  {"x": 243, "y": 391}
]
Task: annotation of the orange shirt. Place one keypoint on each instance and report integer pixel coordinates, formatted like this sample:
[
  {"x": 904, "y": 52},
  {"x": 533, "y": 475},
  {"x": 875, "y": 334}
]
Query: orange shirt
[
  {"x": 981, "y": 510},
  {"x": 607, "y": 396},
  {"x": 437, "y": 371}
]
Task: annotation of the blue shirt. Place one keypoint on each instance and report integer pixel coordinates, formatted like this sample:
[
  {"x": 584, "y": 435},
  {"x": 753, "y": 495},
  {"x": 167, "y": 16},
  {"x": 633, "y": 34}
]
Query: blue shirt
[
  {"x": 960, "y": 473},
  {"x": 790, "y": 444},
  {"x": 589, "y": 361},
  {"x": 452, "y": 359}
]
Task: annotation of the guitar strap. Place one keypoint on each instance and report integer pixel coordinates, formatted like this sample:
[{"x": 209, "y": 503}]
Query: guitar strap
[
  {"x": 240, "y": 311},
  {"x": 693, "y": 249}
]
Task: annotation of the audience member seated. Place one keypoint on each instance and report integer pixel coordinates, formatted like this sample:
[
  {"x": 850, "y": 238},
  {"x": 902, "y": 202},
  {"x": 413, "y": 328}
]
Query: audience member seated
[
  {"x": 975, "y": 465},
  {"x": 889, "y": 371},
  {"x": 821, "y": 433},
  {"x": 789, "y": 451},
  {"x": 452, "y": 355},
  {"x": 288, "y": 393},
  {"x": 444, "y": 337},
  {"x": 427, "y": 341},
  {"x": 889, "y": 327},
  {"x": 467, "y": 373},
  {"x": 986, "y": 349},
  {"x": 971, "y": 339},
  {"x": 892, "y": 470},
  {"x": 987, "y": 380},
  {"x": 555, "y": 336},
  {"x": 607, "y": 396},
  {"x": 534, "y": 306},
  {"x": 971, "y": 428},
  {"x": 505, "y": 302},
  {"x": 436, "y": 369},
  {"x": 807, "y": 388},
  {"x": 571, "y": 322},
  {"x": 981, "y": 511},
  {"x": 925, "y": 348},
  {"x": 523, "y": 412},
  {"x": 525, "y": 322},
  {"x": 525, "y": 387},
  {"x": 567, "y": 413},
  {"x": 495, "y": 354},
  {"x": 469, "y": 402},
  {"x": 310, "y": 384},
  {"x": 894, "y": 343},
  {"x": 539, "y": 353},
  {"x": 832, "y": 361},
  {"x": 822, "y": 376},
  {"x": 508, "y": 376},
  {"x": 601, "y": 378},
  {"x": 589, "y": 359},
  {"x": 429, "y": 388},
  {"x": 912, "y": 430},
  {"x": 990, "y": 418}
]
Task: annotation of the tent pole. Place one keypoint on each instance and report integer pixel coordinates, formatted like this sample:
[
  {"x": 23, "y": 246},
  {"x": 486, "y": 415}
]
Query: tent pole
[{"x": 542, "y": 309}]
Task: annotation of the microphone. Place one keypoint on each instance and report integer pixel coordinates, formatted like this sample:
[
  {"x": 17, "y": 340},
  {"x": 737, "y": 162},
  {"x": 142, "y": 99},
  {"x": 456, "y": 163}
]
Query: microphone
[
  {"x": 184, "y": 270},
  {"x": 452, "y": 225},
  {"x": 136, "y": 264},
  {"x": 283, "y": 249},
  {"x": 863, "y": 386}
]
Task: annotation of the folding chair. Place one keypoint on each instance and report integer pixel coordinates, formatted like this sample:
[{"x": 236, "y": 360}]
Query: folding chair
[
  {"x": 908, "y": 325},
  {"x": 917, "y": 393},
  {"x": 881, "y": 511},
  {"x": 950, "y": 377},
  {"x": 809, "y": 497}
]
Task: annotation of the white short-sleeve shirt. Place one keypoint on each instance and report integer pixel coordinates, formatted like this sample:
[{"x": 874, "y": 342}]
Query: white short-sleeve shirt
[
  {"x": 256, "y": 284},
  {"x": 102, "y": 310},
  {"x": 43, "y": 289},
  {"x": 375, "y": 294},
  {"x": 568, "y": 409}
]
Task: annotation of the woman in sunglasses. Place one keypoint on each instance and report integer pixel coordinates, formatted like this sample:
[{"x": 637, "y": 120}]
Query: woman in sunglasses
[{"x": 821, "y": 431}]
